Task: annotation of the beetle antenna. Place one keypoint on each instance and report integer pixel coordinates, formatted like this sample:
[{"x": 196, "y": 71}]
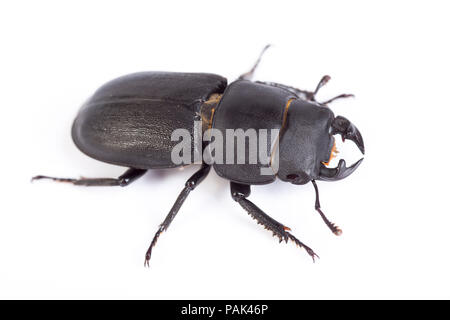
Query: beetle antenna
[
  {"x": 321, "y": 83},
  {"x": 334, "y": 228}
]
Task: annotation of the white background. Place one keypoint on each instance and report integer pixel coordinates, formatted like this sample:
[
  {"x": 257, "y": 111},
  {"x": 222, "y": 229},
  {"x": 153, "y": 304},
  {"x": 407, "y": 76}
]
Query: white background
[{"x": 62, "y": 241}]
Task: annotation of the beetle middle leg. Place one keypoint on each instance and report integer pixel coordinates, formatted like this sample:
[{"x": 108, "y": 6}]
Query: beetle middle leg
[
  {"x": 125, "y": 179},
  {"x": 334, "y": 228},
  {"x": 240, "y": 192},
  {"x": 249, "y": 75},
  {"x": 190, "y": 185}
]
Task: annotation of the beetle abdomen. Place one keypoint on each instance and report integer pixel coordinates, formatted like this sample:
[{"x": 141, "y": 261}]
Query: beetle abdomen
[{"x": 129, "y": 121}]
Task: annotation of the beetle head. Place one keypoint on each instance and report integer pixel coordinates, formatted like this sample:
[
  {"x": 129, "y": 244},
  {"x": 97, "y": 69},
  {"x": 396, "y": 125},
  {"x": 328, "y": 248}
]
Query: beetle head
[
  {"x": 348, "y": 131},
  {"x": 307, "y": 144}
]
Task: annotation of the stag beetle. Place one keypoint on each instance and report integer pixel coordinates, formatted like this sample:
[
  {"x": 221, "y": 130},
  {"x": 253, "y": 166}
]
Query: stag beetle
[{"x": 129, "y": 122}]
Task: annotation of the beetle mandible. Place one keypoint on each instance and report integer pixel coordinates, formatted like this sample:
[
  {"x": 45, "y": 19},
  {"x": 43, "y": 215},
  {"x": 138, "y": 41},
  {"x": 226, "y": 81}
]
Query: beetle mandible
[{"x": 129, "y": 122}]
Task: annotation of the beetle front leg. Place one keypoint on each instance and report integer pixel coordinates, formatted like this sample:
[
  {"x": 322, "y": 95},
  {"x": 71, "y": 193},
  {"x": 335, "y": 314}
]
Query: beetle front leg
[
  {"x": 304, "y": 94},
  {"x": 190, "y": 185},
  {"x": 341, "y": 96},
  {"x": 334, "y": 228},
  {"x": 323, "y": 82},
  {"x": 125, "y": 179},
  {"x": 240, "y": 192}
]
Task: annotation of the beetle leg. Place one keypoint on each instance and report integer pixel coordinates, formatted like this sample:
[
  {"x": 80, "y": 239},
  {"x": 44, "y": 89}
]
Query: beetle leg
[
  {"x": 240, "y": 192},
  {"x": 323, "y": 82},
  {"x": 334, "y": 228},
  {"x": 190, "y": 185},
  {"x": 249, "y": 75},
  {"x": 303, "y": 94},
  {"x": 308, "y": 95},
  {"x": 125, "y": 179},
  {"x": 344, "y": 95}
]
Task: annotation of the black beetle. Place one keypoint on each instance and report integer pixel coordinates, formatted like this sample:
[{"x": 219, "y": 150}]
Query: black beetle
[{"x": 130, "y": 120}]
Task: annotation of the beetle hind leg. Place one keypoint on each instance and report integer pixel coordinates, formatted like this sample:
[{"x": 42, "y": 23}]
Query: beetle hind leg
[
  {"x": 125, "y": 179},
  {"x": 240, "y": 192},
  {"x": 190, "y": 185},
  {"x": 334, "y": 228}
]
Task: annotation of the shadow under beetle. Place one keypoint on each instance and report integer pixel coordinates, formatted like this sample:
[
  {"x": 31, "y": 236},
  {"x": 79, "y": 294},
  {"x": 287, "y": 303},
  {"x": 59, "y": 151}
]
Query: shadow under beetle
[{"x": 129, "y": 122}]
